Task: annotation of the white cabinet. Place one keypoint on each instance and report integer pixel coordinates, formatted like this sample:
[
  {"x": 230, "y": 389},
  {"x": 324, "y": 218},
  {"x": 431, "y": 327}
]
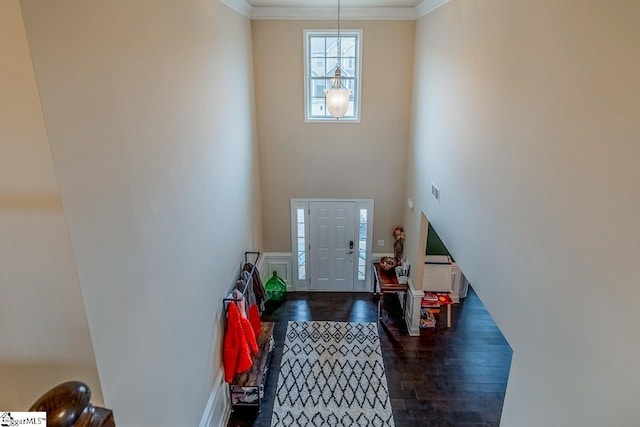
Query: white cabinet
[
  {"x": 437, "y": 273},
  {"x": 442, "y": 275}
]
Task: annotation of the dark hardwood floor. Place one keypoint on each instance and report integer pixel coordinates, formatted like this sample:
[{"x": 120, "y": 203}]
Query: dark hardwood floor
[{"x": 445, "y": 377}]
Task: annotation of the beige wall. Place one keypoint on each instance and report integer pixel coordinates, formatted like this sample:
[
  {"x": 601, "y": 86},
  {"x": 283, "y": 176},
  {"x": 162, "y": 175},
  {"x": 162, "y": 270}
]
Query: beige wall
[
  {"x": 332, "y": 160},
  {"x": 149, "y": 108},
  {"x": 527, "y": 119},
  {"x": 43, "y": 326}
]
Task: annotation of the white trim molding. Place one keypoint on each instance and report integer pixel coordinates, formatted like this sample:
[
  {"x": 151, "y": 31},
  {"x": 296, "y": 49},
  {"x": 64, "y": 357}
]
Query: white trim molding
[
  {"x": 412, "y": 317},
  {"x": 240, "y": 6},
  {"x": 218, "y": 409},
  {"x": 359, "y": 285},
  {"x": 245, "y": 8},
  {"x": 311, "y": 80},
  {"x": 318, "y": 13},
  {"x": 280, "y": 262},
  {"x": 428, "y": 6}
]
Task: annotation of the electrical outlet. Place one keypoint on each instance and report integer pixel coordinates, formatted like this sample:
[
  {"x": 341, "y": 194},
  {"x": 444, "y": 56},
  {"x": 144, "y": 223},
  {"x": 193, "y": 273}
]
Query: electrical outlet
[{"x": 380, "y": 242}]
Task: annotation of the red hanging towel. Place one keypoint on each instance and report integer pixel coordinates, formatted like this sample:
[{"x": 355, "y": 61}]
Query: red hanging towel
[
  {"x": 254, "y": 319},
  {"x": 246, "y": 324},
  {"x": 236, "y": 351}
]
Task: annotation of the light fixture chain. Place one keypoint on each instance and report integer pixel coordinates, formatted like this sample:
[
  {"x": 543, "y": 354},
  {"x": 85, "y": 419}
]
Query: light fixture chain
[{"x": 339, "y": 39}]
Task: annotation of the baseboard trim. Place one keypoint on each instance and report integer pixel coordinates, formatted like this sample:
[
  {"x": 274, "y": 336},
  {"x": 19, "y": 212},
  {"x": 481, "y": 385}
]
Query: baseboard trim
[
  {"x": 218, "y": 409},
  {"x": 376, "y": 256}
]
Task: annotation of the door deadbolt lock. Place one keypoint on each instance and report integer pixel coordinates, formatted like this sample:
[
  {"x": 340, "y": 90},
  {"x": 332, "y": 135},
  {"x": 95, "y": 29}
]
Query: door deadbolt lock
[{"x": 350, "y": 251}]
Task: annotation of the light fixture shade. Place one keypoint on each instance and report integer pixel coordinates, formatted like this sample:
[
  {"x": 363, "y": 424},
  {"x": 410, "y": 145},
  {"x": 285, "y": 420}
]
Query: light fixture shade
[{"x": 337, "y": 101}]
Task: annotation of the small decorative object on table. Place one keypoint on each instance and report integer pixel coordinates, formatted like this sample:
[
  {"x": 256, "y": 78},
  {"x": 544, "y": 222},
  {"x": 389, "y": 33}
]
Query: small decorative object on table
[
  {"x": 401, "y": 275},
  {"x": 427, "y": 319},
  {"x": 432, "y": 302},
  {"x": 398, "y": 243},
  {"x": 387, "y": 263},
  {"x": 402, "y": 271}
]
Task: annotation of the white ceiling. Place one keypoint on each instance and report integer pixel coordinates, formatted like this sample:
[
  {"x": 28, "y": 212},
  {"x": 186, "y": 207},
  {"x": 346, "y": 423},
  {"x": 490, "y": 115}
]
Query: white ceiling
[{"x": 327, "y": 9}]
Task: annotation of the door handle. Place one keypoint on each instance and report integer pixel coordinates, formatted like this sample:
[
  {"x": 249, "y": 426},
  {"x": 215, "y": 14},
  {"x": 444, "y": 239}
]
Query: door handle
[{"x": 349, "y": 252}]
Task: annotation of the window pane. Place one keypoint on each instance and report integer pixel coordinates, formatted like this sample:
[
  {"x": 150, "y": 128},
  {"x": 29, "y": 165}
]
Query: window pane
[
  {"x": 348, "y": 83},
  {"x": 318, "y": 88},
  {"x": 318, "y": 107},
  {"x": 350, "y": 109},
  {"x": 301, "y": 243},
  {"x": 332, "y": 62},
  {"x": 301, "y": 267},
  {"x": 362, "y": 245},
  {"x": 348, "y": 67},
  {"x": 332, "y": 46},
  {"x": 317, "y": 46},
  {"x": 317, "y": 67},
  {"x": 348, "y": 45}
]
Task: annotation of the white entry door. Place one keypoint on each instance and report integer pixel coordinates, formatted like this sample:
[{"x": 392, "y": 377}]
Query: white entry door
[{"x": 332, "y": 240}]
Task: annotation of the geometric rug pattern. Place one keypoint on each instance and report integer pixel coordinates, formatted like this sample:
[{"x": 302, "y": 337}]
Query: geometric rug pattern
[{"x": 332, "y": 374}]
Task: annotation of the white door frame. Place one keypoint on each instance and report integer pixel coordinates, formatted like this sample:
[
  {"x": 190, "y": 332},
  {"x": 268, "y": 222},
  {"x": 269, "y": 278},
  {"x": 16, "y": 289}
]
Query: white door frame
[{"x": 301, "y": 282}]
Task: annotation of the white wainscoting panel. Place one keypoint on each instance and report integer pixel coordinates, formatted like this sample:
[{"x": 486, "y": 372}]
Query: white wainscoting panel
[
  {"x": 280, "y": 262},
  {"x": 413, "y": 310},
  {"x": 218, "y": 409}
]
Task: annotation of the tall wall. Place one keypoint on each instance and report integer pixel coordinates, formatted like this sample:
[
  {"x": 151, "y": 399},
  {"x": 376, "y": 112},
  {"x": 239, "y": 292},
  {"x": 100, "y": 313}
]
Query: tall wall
[
  {"x": 526, "y": 117},
  {"x": 150, "y": 112},
  {"x": 43, "y": 326},
  {"x": 332, "y": 160}
]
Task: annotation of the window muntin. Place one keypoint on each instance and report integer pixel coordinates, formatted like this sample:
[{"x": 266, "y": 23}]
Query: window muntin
[
  {"x": 362, "y": 244},
  {"x": 301, "y": 257},
  {"x": 321, "y": 60}
]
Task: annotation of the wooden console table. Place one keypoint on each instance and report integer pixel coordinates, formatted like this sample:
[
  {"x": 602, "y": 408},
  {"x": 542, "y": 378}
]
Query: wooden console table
[
  {"x": 385, "y": 281},
  {"x": 443, "y": 299}
]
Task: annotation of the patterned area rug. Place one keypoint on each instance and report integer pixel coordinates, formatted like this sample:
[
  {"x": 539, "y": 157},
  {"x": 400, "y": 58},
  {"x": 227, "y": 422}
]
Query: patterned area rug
[{"x": 332, "y": 374}]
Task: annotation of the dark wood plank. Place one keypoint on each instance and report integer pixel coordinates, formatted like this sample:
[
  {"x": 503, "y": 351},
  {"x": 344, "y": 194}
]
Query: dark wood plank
[{"x": 445, "y": 377}]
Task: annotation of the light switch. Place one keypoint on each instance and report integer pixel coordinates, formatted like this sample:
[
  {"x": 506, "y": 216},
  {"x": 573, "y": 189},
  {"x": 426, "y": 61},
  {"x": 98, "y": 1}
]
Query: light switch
[{"x": 380, "y": 242}]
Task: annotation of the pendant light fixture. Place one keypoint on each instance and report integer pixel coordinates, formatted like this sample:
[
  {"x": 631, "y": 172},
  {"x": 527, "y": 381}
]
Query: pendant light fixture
[{"x": 337, "y": 97}]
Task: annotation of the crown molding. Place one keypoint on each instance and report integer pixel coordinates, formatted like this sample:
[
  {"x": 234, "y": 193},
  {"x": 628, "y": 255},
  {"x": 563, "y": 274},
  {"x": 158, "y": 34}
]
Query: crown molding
[
  {"x": 428, "y": 6},
  {"x": 319, "y": 13},
  {"x": 240, "y": 6},
  {"x": 351, "y": 13}
]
